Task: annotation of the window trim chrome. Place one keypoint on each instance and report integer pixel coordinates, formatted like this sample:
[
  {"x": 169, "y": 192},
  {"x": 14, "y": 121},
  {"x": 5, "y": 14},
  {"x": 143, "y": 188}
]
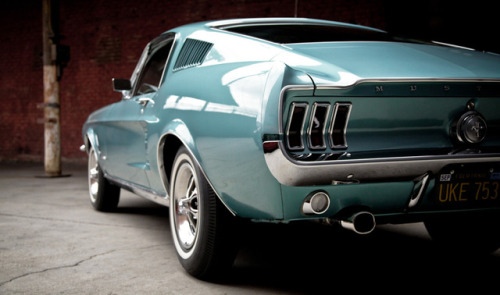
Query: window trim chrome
[{"x": 151, "y": 49}]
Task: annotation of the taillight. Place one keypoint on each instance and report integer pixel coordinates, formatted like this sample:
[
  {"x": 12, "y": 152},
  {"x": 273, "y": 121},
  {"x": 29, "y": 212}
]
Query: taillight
[
  {"x": 294, "y": 130},
  {"x": 321, "y": 128},
  {"x": 337, "y": 131},
  {"x": 317, "y": 126}
]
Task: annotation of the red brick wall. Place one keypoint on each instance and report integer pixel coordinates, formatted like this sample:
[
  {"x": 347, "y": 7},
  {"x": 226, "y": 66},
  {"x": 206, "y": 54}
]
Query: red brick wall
[
  {"x": 106, "y": 38},
  {"x": 20, "y": 82}
]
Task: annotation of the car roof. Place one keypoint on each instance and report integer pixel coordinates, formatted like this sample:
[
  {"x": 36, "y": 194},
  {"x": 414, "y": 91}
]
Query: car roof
[
  {"x": 231, "y": 23},
  {"x": 299, "y": 30}
]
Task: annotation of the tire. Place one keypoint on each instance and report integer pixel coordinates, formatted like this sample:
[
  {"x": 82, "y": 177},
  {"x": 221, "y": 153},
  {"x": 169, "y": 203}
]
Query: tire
[
  {"x": 471, "y": 234},
  {"x": 104, "y": 196},
  {"x": 202, "y": 228}
]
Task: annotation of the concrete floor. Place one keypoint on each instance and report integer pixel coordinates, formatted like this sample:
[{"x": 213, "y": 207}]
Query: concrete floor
[{"x": 53, "y": 242}]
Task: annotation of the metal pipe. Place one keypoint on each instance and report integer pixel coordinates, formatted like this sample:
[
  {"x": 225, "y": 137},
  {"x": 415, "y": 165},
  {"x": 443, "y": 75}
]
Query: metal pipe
[
  {"x": 362, "y": 223},
  {"x": 316, "y": 203}
]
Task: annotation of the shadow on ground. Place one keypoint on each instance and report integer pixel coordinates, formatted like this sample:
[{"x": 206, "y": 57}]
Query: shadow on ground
[{"x": 307, "y": 258}]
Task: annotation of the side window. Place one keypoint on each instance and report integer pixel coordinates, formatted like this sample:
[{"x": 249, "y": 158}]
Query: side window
[{"x": 152, "y": 73}]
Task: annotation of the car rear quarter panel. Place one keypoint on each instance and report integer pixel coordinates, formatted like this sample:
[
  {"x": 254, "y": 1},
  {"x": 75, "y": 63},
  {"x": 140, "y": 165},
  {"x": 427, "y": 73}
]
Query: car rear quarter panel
[{"x": 219, "y": 112}]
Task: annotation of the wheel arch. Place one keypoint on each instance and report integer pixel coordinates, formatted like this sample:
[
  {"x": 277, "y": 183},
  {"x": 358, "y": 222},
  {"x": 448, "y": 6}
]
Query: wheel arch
[
  {"x": 90, "y": 140},
  {"x": 168, "y": 146}
]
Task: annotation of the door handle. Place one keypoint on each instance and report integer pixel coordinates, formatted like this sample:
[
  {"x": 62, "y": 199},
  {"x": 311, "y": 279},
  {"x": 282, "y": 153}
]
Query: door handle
[{"x": 145, "y": 100}]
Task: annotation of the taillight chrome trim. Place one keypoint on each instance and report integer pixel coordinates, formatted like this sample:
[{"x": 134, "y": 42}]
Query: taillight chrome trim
[
  {"x": 338, "y": 126},
  {"x": 325, "y": 126},
  {"x": 316, "y": 139},
  {"x": 295, "y": 127}
]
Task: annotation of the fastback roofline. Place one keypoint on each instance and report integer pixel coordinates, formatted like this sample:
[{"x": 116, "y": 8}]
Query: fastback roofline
[{"x": 228, "y": 23}]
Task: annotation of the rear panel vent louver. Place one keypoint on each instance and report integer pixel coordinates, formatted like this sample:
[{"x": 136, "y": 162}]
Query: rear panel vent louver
[
  {"x": 323, "y": 127},
  {"x": 192, "y": 54}
]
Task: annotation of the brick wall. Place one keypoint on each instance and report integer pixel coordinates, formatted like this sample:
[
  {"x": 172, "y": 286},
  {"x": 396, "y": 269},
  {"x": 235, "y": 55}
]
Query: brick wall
[{"x": 106, "y": 38}]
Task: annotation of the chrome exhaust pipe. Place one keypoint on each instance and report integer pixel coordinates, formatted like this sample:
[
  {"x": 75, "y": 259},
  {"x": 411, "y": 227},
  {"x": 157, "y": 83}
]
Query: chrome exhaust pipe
[
  {"x": 316, "y": 203},
  {"x": 361, "y": 223}
]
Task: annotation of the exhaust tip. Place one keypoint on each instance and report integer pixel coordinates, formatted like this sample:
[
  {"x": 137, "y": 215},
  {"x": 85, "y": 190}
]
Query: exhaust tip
[
  {"x": 361, "y": 223},
  {"x": 316, "y": 203}
]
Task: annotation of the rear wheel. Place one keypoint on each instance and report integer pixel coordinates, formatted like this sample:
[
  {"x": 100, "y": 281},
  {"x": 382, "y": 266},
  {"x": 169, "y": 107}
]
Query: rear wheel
[
  {"x": 467, "y": 234},
  {"x": 202, "y": 228},
  {"x": 104, "y": 196}
]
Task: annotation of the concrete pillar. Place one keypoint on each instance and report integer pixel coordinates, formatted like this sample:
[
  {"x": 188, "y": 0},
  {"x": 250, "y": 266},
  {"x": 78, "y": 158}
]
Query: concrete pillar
[{"x": 51, "y": 94}]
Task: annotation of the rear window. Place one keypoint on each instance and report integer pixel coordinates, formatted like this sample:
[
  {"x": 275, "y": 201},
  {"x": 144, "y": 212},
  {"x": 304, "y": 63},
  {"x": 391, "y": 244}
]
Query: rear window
[{"x": 303, "y": 33}]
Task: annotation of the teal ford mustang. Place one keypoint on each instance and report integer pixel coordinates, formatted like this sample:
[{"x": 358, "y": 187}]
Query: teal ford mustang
[{"x": 280, "y": 120}]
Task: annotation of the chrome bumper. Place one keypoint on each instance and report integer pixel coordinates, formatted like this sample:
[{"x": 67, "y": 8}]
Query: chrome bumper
[{"x": 295, "y": 173}]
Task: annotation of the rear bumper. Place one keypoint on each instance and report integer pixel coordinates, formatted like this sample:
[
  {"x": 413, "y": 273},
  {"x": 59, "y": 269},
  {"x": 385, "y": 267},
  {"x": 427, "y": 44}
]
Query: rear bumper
[
  {"x": 291, "y": 172},
  {"x": 390, "y": 201}
]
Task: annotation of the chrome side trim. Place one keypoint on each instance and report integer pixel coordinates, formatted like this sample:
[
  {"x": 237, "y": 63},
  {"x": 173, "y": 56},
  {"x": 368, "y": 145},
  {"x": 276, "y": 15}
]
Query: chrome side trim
[
  {"x": 140, "y": 191},
  {"x": 293, "y": 173}
]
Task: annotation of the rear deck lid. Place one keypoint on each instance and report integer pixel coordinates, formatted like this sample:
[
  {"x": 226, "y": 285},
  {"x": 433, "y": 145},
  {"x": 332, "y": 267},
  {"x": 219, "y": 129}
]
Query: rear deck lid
[{"x": 346, "y": 62}]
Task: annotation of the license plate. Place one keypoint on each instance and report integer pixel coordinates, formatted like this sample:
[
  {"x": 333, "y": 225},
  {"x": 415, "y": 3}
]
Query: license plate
[{"x": 468, "y": 186}]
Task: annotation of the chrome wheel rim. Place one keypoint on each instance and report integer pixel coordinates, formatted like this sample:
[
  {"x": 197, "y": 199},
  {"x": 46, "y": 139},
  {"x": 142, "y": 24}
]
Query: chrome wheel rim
[
  {"x": 186, "y": 210},
  {"x": 93, "y": 175}
]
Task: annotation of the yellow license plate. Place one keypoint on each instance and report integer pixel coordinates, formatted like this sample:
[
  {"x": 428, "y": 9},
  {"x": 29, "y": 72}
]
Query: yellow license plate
[{"x": 468, "y": 186}]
